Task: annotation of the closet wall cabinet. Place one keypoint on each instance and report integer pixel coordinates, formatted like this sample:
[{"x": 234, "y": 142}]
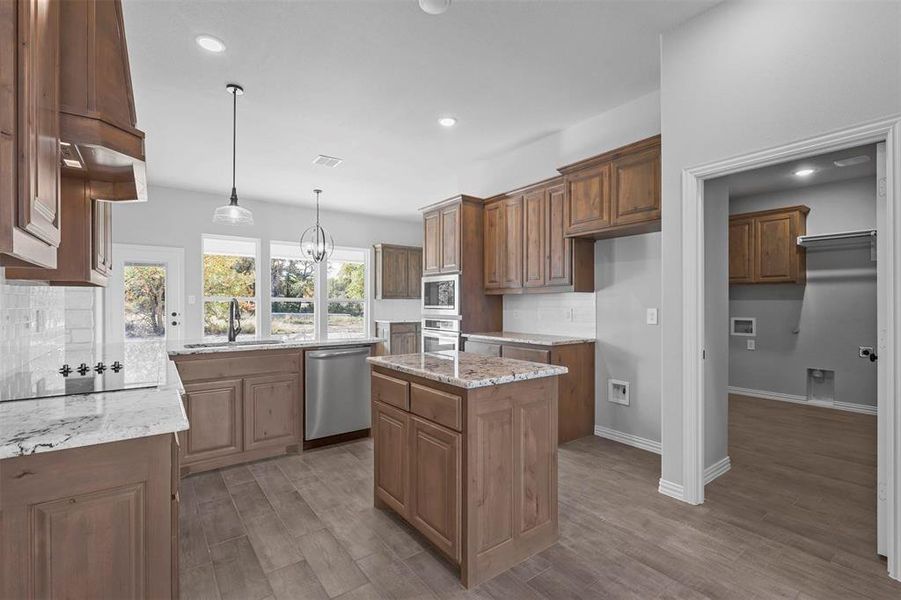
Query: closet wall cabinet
[
  {"x": 526, "y": 248},
  {"x": 763, "y": 246},
  {"x": 398, "y": 272},
  {"x": 614, "y": 194}
]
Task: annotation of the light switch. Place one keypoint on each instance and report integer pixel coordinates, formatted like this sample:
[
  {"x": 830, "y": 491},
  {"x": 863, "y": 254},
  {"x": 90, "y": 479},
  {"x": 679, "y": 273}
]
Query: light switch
[
  {"x": 751, "y": 344},
  {"x": 652, "y": 316},
  {"x": 192, "y": 299}
]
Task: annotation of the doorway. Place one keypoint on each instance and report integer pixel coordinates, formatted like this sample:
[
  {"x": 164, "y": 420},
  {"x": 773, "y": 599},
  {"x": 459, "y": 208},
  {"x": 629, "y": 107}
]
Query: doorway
[
  {"x": 694, "y": 357},
  {"x": 144, "y": 300}
]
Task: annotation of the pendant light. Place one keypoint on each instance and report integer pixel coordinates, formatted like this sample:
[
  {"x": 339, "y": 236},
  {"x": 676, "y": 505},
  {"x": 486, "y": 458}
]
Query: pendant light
[
  {"x": 316, "y": 243},
  {"x": 231, "y": 213}
]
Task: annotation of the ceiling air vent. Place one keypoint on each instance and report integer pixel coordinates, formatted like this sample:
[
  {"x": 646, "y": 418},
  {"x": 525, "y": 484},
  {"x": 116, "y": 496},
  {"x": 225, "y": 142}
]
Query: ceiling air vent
[{"x": 327, "y": 161}]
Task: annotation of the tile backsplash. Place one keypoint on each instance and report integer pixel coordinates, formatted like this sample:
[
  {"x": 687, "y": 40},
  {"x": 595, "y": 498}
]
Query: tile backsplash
[
  {"x": 556, "y": 314},
  {"x": 39, "y": 326}
]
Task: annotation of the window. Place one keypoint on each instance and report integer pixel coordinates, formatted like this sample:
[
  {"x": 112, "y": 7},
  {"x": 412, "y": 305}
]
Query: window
[
  {"x": 293, "y": 292},
  {"x": 229, "y": 271},
  {"x": 347, "y": 294}
]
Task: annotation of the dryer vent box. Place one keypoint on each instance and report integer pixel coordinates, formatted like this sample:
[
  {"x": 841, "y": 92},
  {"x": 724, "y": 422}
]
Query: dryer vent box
[{"x": 618, "y": 391}]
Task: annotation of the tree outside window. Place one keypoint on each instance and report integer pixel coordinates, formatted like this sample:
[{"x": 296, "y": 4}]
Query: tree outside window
[
  {"x": 229, "y": 271},
  {"x": 293, "y": 292}
]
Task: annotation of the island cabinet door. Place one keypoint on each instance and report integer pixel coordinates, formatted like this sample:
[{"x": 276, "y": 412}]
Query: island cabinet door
[
  {"x": 390, "y": 433},
  {"x": 271, "y": 410},
  {"x": 214, "y": 410},
  {"x": 435, "y": 484}
]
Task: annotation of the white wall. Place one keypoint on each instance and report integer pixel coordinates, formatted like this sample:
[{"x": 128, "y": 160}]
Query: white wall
[
  {"x": 821, "y": 324},
  {"x": 179, "y": 218},
  {"x": 745, "y": 76},
  {"x": 716, "y": 318},
  {"x": 627, "y": 270}
]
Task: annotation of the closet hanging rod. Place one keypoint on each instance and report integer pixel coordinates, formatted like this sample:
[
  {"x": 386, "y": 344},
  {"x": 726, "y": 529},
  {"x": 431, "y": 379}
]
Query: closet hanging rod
[{"x": 862, "y": 235}]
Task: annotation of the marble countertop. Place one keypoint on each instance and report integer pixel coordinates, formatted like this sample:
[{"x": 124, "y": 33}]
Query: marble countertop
[
  {"x": 48, "y": 424},
  {"x": 539, "y": 339},
  {"x": 182, "y": 349},
  {"x": 466, "y": 370}
]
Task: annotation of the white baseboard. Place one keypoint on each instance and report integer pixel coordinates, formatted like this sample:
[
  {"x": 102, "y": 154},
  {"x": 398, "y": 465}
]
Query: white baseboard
[
  {"x": 673, "y": 490},
  {"x": 718, "y": 468},
  {"x": 627, "y": 438},
  {"x": 766, "y": 395}
]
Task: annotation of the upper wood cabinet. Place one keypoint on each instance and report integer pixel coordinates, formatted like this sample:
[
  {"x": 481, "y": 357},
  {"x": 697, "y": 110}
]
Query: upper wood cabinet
[
  {"x": 85, "y": 252},
  {"x": 431, "y": 253},
  {"x": 398, "y": 271},
  {"x": 526, "y": 249},
  {"x": 444, "y": 224},
  {"x": 450, "y": 238},
  {"x": 30, "y": 219},
  {"x": 614, "y": 194},
  {"x": 763, "y": 246}
]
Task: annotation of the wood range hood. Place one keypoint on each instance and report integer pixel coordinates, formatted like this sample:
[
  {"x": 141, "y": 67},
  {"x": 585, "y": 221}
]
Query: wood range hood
[{"x": 98, "y": 138}]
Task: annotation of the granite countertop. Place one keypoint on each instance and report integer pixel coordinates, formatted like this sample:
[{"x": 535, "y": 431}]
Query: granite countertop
[
  {"x": 182, "y": 349},
  {"x": 48, "y": 424},
  {"x": 466, "y": 370},
  {"x": 539, "y": 339}
]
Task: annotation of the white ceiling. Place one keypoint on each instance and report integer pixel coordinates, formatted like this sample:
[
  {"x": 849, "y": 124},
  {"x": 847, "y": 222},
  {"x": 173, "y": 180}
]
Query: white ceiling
[
  {"x": 367, "y": 81},
  {"x": 782, "y": 177}
]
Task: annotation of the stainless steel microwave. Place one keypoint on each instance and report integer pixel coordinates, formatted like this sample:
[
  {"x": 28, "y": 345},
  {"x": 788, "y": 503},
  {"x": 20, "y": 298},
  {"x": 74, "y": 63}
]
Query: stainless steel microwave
[{"x": 441, "y": 295}]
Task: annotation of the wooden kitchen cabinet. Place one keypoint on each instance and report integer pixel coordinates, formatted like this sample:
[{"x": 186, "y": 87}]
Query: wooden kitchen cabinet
[
  {"x": 30, "y": 207},
  {"x": 431, "y": 249},
  {"x": 85, "y": 251},
  {"x": 763, "y": 246},
  {"x": 614, "y": 194},
  {"x": 473, "y": 470},
  {"x": 526, "y": 249},
  {"x": 390, "y": 438},
  {"x": 450, "y": 238},
  {"x": 215, "y": 411},
  {"x": 242, "y": 406},
  {"x": 91, "y": 522},
  {"x": 271, "y": 410},
  {"x": 398, "y": 271},
  {"x": 576, "y": 390},
  {"x": 400, "y": 337},
  {"x": 435, "y": 456}
]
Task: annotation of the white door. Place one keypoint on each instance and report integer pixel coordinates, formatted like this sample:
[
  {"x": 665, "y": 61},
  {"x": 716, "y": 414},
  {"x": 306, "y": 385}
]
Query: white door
[
  {"x": 882, "y": 277},
  {"x": 144, "y": 298}
]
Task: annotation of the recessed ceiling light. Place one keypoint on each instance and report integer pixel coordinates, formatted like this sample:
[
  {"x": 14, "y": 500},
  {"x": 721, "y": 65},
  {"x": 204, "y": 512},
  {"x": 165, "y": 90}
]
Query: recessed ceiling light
[
  {"x": 210, "y": 43},
  {"x": 447, "y": 121},
  {"x": 434, "y": 7},
  {"x": 804, "y": 172}
]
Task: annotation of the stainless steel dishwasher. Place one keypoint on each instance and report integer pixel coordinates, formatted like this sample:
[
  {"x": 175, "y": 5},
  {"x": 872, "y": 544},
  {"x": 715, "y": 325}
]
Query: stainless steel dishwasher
[{"x": 337, "y": 391}]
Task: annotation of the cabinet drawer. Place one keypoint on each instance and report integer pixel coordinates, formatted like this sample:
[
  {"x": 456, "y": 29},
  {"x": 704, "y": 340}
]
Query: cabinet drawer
[
  {"x": 389, "y": 390},
  {"x": 531, "y": 354},
  {"x": 437, "y": 406}
]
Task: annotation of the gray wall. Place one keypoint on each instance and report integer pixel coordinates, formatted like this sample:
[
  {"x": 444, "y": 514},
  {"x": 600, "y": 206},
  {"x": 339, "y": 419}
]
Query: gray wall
[
  {"x": 716, "y": 317},
  {"x": 834, "y": 313},
  {"x": 744, "y": 76},
  {"x": 627, "y": 280},
  {"x": 174, "y": 217}
]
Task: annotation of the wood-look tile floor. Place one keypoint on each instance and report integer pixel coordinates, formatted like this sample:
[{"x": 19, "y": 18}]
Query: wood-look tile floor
[{"x": 794, "y": 518}]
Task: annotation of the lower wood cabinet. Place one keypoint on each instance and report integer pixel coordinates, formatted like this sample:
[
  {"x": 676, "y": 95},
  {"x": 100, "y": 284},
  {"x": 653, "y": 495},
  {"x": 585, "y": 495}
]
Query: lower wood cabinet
[
  {"x": 92, "y": 522},
  {"x": 435, "y": 486},
  {"x": 242, "y": 406},
  {"x": 481, "y": 484},
  {"x": 576, "y": 393}
]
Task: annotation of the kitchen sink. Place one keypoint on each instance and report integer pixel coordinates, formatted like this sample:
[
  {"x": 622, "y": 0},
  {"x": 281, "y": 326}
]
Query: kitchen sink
[{"x": 229, "y": 344}]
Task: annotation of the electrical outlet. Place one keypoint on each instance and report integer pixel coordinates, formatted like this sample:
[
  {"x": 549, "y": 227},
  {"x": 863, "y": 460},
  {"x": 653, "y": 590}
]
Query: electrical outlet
[
  {"x": 192, "y": 299},
  {"x": 751, "y": 345},
  {"x": 864, "y": 351},
  {"x": 651, "y": 317}
]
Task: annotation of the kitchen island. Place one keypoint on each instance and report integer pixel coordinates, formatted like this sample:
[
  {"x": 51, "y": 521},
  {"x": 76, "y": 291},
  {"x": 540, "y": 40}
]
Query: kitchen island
[{"x": 466, "y": 452}]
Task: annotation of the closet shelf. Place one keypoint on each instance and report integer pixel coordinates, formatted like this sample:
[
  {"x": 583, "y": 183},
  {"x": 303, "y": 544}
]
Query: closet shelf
[{"x": 838, "y": 239}]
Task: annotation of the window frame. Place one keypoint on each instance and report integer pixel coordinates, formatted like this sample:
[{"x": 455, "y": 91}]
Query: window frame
[
  {"x": 256, "y": 299},
  {"x": 366, "y": 255}
]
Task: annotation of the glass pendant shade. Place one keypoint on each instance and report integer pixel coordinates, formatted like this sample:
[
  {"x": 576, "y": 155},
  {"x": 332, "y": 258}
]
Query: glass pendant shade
[
  {"x": 316, "y": 243},
  {"x": 231, "y": 213}
]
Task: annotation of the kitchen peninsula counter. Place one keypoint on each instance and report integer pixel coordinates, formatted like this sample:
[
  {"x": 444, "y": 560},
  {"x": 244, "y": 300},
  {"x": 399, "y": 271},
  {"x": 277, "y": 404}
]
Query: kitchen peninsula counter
[{"x": 466, "y": 452}]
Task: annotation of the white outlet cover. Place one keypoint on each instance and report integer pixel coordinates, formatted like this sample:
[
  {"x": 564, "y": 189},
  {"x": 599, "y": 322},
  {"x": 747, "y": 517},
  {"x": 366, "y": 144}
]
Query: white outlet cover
[
  {"x": 192, "y": 299},
  {"x": 618, "y": 391},
  {"x": 752, "y": 345},
  {"x": 651, "y": 316}
]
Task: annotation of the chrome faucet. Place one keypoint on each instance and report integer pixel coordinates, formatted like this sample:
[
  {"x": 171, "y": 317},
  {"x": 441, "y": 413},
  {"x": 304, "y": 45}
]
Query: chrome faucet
[{"x": 234, "y": 320}]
